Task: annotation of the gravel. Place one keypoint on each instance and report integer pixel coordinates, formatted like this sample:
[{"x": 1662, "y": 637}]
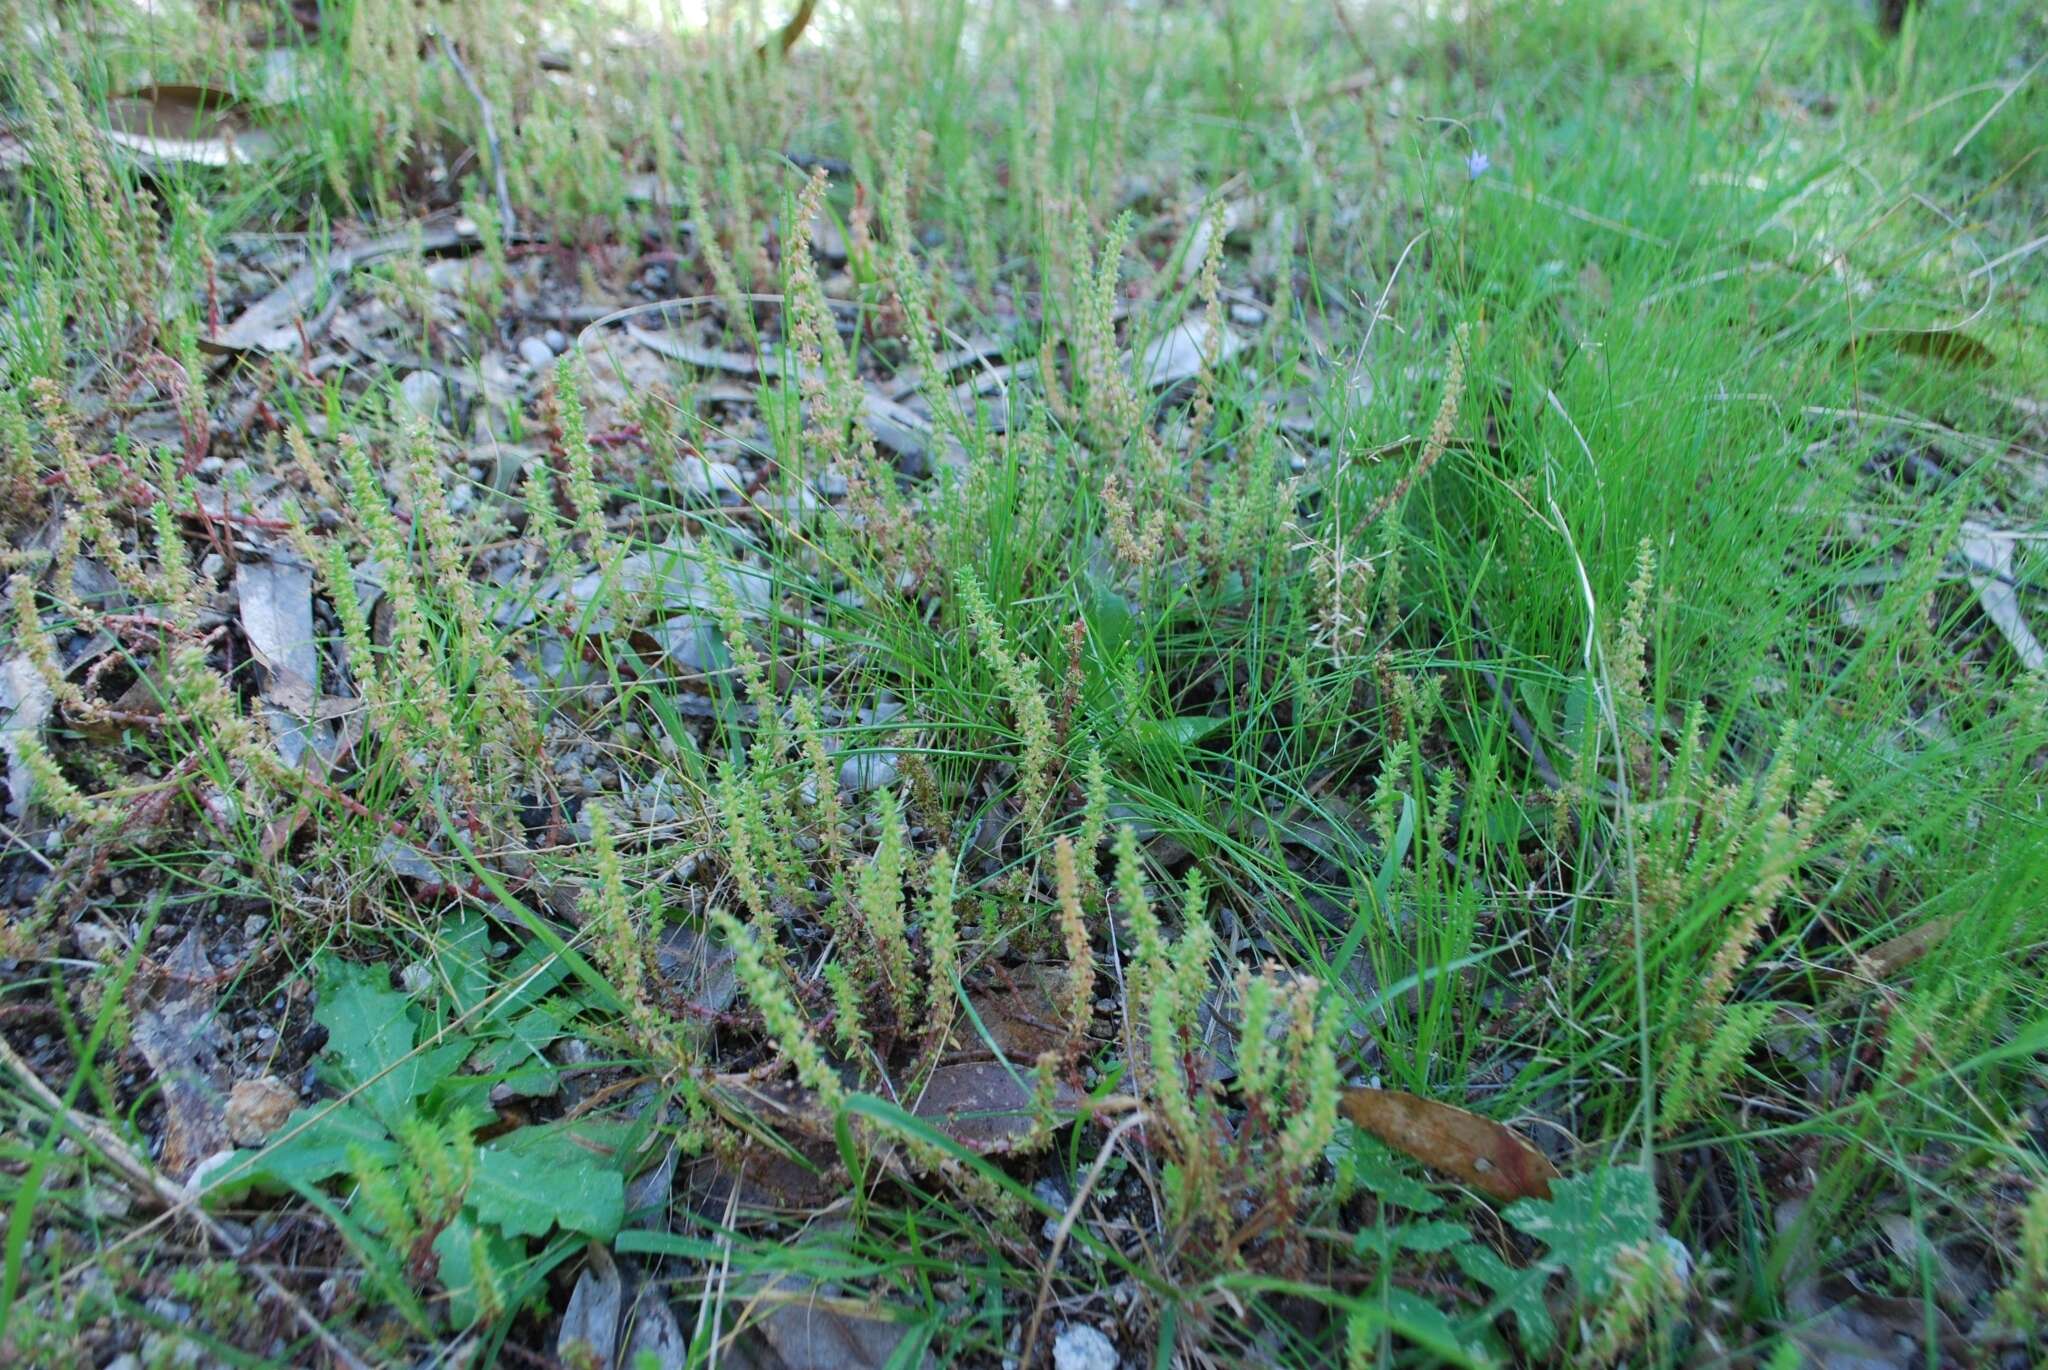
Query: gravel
[{"x": 1081, "y": 1347}]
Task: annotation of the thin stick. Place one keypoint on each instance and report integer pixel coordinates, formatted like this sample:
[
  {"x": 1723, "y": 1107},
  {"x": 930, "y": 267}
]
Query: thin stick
[
  {"x": 1059, "y": 1236},
  {"x": 506, "y": 220},
  {"x": 154, "y": 1185}
]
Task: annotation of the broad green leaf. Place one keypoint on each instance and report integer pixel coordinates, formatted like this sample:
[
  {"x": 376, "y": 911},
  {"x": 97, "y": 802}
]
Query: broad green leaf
[
  {"x": 1429, "y": 1238},
  {"x": 458, "y": 1245},
  {"x": 516, "y": 1060},
  {"x": 1418, "y": 1320},
  {"x": 370, "y": 1036},
  {"x": 535, "y": 972},
  {"x": 1177, "y": 733},
  {"x": 1432, "y": 1237},
  {"x": 1109, "y": 615},
  {"x": 1514, "y": 1291},
  {"x": 463, "y": 959},
  {"x": 1588, "y": 1220},
  {"x": 1373, "y": 1164},
  {"x": 314, "y": 1145},
  {"x": 538, "y": 1177}
]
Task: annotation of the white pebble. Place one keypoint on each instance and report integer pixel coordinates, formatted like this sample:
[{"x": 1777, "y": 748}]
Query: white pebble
[
  {"x": 536, "y": 353},
  {"x": 868, "y": 771},
  {"x": 1081, "y": 1347},
  {"x": 704, "y": 478},
  {"x": 422, "y": 392}
]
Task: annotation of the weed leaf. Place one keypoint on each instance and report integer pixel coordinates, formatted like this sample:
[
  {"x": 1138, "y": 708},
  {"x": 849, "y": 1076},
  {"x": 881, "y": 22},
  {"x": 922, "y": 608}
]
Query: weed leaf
[
  {"x": 541, "y": 1177},
  {"x": 1514, "y": 1291},
  {"x": 315, "y": 1144},
  {"x": 1370, "y": 1163},
  {"x": 1588, "y": 1220},
  {"x": 370, "y": 1035}
]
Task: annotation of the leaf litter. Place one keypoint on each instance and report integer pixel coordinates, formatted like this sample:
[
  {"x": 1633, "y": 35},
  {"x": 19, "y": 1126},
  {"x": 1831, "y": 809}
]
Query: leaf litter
[{"x": 978, "y": 1102}]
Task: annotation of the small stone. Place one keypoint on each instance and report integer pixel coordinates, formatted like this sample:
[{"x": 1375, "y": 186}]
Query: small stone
[
  {"x": 170, "y": 1310},
  {"x": 705, "y": 478},
  {"x": 422, "y": 392},
  {"x": 1249, "y": 315},
  {"x": 868, "y": 771},
  {"x": 253, "y": 926},
  {"x": 1081, "y": 1347},
  {"x": 257, "y": 1108},
  {"x": 536, "y": 353},
  {"x": 557, "y": 341},
  {"x": 1052, "y": 1196},
  {"x": 95, "y": 939}
]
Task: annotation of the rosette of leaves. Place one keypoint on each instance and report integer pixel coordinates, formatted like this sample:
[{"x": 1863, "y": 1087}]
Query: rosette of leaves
[{"x": 412, "y": 1079}]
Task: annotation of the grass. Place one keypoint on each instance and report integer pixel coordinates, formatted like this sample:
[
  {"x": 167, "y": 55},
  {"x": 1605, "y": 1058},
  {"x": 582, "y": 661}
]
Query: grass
[{"x": 1548, "y": 665}]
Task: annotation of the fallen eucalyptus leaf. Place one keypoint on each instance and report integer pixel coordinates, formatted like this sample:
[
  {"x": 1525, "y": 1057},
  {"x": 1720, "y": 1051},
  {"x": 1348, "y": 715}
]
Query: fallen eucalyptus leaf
[
  {"x": 806, "y": 1328},
  {"x": 272, "y": 323},
  {"x": 189, "y": 125},
  {"x": 589, "y": 1333},
  {"x": 1489, "y": 1157},
  {"x": 983, "y": 1105},
  {"x": 28, "y": 699},
  {"x": 1178, "y": 355},
  {"x": 1938, "y": 344},
  {"x": 1989, "y": 553},
  {"x": 175, "y": 1030}
]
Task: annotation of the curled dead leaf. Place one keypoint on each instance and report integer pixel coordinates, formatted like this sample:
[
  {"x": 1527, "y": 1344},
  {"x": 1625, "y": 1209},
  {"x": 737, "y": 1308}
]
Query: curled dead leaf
[
  {"x": 192, "y": 125},
  {"x": 1937, "y": 344},
  {"x": 273, "y": 323},
  {"x": 984, "y": 1105},
  {"x": 1021, "y": 1014},
  {"x": 174, "y": 1027},
  {"x": 1491, "y": 1158}
]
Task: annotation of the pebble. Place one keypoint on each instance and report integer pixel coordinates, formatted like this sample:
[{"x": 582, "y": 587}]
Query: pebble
[
  {"x": 536, "y": 353},
  {"x": 93, "y": 939},
  {"x": 704, "y": 478},
  {"x": 256, "y": 1108},
  {"x": 1081, "y": 1347},
  {"x": 557, "y": 341},
  {"x": 422, "y": 392},
  {"x": 868, "y": 771},
  {"x": 1050, "y": 1194}
]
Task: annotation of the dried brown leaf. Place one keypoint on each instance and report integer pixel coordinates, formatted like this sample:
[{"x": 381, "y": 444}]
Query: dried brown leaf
[
  {"x": 193, "y": 125},
  {"x": 1938, "y": 344},
  {"x": 1491, "y": 1158},
  {"x": 984, "y": 1105},
  {"x": 175, "y": 1030},
  {"x": 1022, "y": 1016},
  {"x": 272, "y": 323}
]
